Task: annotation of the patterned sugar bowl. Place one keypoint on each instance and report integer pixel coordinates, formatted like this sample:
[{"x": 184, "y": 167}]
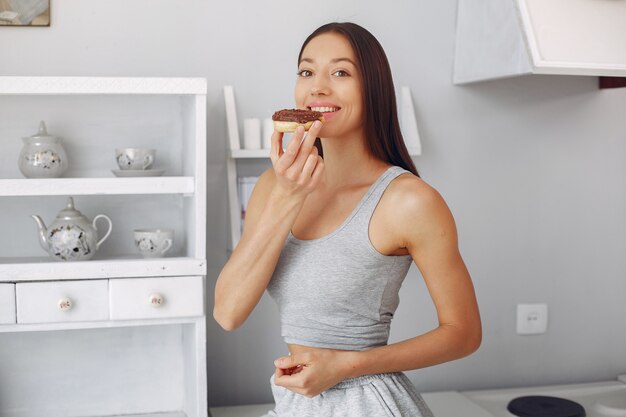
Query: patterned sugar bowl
[{"x": 42, "y": 155}]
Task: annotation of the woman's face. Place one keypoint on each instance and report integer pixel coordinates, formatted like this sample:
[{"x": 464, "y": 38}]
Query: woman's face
[{"x": 329, "y": 81}]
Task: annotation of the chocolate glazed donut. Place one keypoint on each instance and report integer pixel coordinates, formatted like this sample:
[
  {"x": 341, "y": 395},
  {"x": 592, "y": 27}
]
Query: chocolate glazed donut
[{"x": 287, "y": 120}]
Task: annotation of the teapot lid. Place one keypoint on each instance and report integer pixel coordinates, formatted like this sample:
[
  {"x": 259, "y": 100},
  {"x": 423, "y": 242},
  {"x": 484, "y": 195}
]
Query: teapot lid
[
  {"x": 42, "y": 133},
  {"x": 69, "y": 211}
]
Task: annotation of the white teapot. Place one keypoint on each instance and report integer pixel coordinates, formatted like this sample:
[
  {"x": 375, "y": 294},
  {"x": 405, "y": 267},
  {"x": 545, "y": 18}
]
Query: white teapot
[{"x": 71, "y": 237}]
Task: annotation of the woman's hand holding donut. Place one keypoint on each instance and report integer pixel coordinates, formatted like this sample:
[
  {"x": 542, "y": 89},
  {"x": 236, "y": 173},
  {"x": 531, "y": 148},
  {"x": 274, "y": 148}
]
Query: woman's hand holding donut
[{"x": 299, "y": 167}]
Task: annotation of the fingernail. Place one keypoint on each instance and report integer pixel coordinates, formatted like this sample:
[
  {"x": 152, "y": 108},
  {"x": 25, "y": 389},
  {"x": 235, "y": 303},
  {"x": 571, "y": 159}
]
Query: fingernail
[
  {"x": 317, "y": 124},
  {"x": 277, "y": 362}
]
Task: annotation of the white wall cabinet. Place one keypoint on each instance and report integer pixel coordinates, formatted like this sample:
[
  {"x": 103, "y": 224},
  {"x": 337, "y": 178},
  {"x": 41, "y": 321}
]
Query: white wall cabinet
[
  {"x": 504, "y": 38},
  {"x": 117, "y": 334}
]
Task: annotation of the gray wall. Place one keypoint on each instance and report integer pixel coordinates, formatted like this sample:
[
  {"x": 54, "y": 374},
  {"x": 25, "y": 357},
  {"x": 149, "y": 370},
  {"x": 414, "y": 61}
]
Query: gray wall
[{"x": 533, "y": 169}]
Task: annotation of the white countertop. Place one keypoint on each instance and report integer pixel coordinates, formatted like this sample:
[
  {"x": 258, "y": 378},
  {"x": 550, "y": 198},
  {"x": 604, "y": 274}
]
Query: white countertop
[
  {"x": 453, "y": 404},
  {"x": 442, "y": 404},
  {"x": 492, "y": 402}
]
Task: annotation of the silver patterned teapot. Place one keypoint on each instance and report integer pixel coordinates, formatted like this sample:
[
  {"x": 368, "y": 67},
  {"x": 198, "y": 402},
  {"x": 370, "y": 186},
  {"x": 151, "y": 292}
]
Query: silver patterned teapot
[{"x": 71, "y": 237}]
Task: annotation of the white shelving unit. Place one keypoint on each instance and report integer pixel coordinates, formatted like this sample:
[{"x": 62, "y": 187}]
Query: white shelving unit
[{"x": 113, "y": 352}]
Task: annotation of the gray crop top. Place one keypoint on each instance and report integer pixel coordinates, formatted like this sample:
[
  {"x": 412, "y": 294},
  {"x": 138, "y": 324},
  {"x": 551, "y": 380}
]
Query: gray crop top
[{"x": 338, "y": 291}]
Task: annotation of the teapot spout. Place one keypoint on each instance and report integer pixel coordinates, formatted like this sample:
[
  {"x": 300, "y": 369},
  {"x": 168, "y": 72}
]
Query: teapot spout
[{"x": 42, "y": 232}]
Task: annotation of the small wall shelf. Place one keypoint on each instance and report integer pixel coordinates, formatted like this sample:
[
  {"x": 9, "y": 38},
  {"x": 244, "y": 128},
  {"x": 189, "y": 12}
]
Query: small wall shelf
[{"x": 235, "y": 152}]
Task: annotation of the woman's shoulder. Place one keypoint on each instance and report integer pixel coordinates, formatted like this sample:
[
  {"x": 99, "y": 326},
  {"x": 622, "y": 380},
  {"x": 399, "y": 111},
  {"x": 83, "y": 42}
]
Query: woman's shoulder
[
  {"x": 411, "y": 200},
  {"x": 409, "y": 190}
]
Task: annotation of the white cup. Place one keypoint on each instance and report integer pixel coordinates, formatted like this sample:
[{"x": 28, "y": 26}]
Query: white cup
[
  {"x": 153, "y": 243},
  {"x": 134, "y": 158},
  {"x": 268, "y": 131},
  {"x": 252, "y": 134}
]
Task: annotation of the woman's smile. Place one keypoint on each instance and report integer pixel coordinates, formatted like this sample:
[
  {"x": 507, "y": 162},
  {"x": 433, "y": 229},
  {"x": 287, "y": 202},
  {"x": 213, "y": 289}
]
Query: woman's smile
[{"x": 329, "y": 110}]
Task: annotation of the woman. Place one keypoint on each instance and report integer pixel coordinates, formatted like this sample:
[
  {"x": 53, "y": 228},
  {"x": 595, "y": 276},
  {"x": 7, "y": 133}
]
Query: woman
[{"x": 332, "y": 239}]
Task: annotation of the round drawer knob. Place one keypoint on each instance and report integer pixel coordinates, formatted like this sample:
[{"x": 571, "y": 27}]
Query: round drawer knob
[
  {"x": 156, "y": 300},
  {"x": 65, "y": 304}
]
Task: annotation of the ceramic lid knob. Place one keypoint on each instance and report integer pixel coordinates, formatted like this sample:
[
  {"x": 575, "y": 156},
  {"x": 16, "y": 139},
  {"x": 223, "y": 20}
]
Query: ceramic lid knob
[
  {"x": 42, "y": 132},
  {"x": 69, "y": 211}
]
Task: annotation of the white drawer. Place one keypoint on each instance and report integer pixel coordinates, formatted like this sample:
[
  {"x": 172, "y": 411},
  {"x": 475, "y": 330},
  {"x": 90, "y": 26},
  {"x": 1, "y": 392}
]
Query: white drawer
[
  {"x": 142, "y": 298},
  {"x": 62, "y": 301},
  {"x": 7, "y": 303}
]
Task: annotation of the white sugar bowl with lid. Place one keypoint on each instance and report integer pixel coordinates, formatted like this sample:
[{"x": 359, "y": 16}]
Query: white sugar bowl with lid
[
  {"x": 42, "y": 155},
  {"x": 72, "y": 236}
]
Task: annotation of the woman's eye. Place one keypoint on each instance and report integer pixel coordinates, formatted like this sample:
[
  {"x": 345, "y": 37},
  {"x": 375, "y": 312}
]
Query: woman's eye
[
  {"x": 304, "y": 73},
  {"x": 341, "y": 73}
]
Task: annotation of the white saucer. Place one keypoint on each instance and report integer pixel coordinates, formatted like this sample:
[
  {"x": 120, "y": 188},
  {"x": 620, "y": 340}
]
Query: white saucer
[{"x": 138, "y": 172}]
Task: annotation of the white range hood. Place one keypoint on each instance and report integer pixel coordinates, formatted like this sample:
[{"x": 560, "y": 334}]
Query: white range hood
[{"x": 505, "y": 38}]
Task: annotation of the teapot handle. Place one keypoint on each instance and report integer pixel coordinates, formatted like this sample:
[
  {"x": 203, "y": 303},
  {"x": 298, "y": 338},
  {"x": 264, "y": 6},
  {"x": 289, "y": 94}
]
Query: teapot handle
[{"x": 108, "y": 231}]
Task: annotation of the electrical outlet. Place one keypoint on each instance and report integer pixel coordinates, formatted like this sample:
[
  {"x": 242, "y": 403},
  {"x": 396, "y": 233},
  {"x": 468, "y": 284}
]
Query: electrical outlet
[{"x": 532, "y": 318}]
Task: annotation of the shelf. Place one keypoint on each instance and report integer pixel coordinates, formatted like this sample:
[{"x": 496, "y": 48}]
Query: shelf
[
  {"x": 166, "y": 414},
  {"x": 171, "y": 414},
  {"x": 104, "y": 324},
  {"x": 96, "y": 186},
  {"x": 249, "y": 153},
  {"x": 102, "y": 85},
  {"x": 44, "y": 268}
]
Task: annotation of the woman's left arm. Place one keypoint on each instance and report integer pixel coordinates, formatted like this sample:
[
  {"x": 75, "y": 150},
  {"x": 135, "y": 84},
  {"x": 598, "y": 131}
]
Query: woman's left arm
[{"x": 421, "y": 222}]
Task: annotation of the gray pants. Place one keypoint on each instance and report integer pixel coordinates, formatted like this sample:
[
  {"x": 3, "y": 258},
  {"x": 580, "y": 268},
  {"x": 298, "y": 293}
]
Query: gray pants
[{"x": 382, "y": 395}]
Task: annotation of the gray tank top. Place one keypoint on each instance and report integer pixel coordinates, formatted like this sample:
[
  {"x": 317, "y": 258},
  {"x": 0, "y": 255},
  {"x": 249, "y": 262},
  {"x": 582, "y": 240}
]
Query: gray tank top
[{"x": 338, "y": 291}]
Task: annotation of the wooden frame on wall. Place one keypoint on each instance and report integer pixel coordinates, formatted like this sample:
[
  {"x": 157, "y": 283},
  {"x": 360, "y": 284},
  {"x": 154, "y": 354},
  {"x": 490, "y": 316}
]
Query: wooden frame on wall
[{"x": 24, "y": 13}]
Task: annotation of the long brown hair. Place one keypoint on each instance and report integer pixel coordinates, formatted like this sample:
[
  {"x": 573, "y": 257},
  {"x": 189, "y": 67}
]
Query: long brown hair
[{"x": 382, "y": 129}]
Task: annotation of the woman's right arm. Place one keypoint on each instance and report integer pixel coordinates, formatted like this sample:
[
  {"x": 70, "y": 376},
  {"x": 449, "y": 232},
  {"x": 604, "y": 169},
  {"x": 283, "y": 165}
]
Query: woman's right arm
[{"x": 272, "y": 210}]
